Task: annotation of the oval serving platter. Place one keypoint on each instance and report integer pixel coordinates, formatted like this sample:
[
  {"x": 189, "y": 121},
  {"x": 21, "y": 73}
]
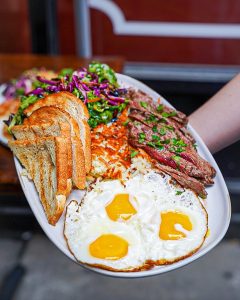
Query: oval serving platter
[{"x": 218, "y": 205}]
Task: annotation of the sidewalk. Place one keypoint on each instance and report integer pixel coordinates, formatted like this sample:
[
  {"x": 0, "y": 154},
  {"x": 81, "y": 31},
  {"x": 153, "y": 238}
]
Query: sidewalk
[{"x": 51, "y": 275}]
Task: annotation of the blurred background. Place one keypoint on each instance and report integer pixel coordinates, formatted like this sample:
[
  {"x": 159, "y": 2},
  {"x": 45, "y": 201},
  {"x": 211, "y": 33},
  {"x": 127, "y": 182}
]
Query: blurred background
[{"x": 186, "y": 50}]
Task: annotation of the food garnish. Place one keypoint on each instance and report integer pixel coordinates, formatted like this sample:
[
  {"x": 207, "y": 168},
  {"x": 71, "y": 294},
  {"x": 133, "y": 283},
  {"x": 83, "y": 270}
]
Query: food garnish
[{"x": 96, "y": 86}]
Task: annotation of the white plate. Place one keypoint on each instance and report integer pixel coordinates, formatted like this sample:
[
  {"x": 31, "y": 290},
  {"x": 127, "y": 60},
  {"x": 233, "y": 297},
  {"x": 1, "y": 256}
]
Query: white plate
[{"x": 217, "y": 204}]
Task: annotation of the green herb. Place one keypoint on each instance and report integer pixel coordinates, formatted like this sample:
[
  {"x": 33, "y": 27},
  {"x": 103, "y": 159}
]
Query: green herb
[
  {"x": 100, "y": 112},
  {"x": 143, "y": 104},
  {"x": 142, "y": 137},
  {"x": 179, "y": 193},
  {"x": 20, "y": 91},
  {"x": 154, "y": 129},
  {"x": 160, "y": 108},
  {"x": 167, "y": 115},
  {"x": 176, "y": 158},
  {"x": 195, "y": 146},
  {"x": 159, "y": 146},
  {"x": 77, "y": 93},
  {"x": 106, "y": 116},
  {"x": 133, "y": 153},
  {"x": 121, "y": 106},
  {"x": 64, "y": 72},
  {"x": 162, "y": 131},
  {"x": 91, "y": 95},
  {"x": 169, "y": 127},
  {"x": 98, "y": 107},
  {"x": 172, "y": 114},
  {"x": 178, "y": 145},
  {"x": 126, "y": 122},
  {"x": 92, "y": 122},
  {"x": 155, "y": 137},
  {"x": 167, "y": 141},
  {"x": 104, "y": 72},
  {"x": 151, "y": 144},
  {"x": 179, "y": 150},
  {"x": 163, "y": 120},
  {"x": 25, "y": 101},
  {"x": 152, "y": 118},
  {"x": 178, "y": 142}
]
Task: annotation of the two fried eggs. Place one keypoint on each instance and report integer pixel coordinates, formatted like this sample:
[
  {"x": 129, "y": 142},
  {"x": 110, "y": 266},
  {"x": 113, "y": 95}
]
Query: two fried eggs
[{"x": 131, "y": 227}]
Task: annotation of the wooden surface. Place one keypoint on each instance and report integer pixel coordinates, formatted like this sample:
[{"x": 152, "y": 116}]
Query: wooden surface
[{"x": 12, "y": 66}]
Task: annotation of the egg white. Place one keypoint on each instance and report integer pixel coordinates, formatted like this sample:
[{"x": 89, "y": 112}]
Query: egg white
[
  {"x": 163, "y": 197},
  {"x": 82, "y": 228},
  {"x": 150, "y": 194}
]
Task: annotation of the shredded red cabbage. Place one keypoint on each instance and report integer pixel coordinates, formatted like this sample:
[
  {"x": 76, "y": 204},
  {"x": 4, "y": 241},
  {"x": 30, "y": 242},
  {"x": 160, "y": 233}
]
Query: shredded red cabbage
[{"x": 84, "y": 82}]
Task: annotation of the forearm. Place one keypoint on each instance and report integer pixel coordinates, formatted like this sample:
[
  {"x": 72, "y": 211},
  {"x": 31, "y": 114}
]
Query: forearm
[{"x": 218, "y": 120}]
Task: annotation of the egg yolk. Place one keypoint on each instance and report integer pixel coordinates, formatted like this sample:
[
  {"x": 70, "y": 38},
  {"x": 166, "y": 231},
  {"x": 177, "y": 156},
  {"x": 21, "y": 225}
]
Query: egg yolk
[
  {"x": 167, "y": 227},
  {"x": 109, "y": 246},
  {"x": 120, "y": 207}
]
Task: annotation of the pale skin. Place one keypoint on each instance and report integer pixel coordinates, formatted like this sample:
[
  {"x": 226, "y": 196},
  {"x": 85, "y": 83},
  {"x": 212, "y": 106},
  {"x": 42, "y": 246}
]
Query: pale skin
[{"x": 218, "y": 120}]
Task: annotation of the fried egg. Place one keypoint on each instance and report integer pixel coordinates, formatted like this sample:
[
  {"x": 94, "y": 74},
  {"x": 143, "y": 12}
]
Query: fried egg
[
  {"x": 177, "y": 225},
  {"x": 135, "y": 224},
  {"x": 99, "y": 233}
]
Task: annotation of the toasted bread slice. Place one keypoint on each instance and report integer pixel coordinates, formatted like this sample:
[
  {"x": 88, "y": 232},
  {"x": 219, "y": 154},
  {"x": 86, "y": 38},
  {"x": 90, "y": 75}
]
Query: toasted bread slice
[
  {"x": 76, "y": 109},
  {"x": 30, "y": 132},
  {"x": 44, "y": 159},
  {"x": 46, "y": 114}
]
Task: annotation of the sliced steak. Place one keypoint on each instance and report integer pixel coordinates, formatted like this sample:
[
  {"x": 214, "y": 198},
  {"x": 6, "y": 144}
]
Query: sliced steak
[
  {"x": 184, "y": 180},
  {"x": 187, "y": 135},
  {"x": 189, "y": 161},
  {"x": 161, "y": 132},
  {"x": 167, "y": 158},
  {"x": 198, "y": 161},
  {"x": 138, "y": 97}
]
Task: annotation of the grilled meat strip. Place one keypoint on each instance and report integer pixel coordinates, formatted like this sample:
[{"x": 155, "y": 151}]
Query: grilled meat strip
[
  {"x": 139, "y": 97},
  {"x": 161, "y": 132},
  {"x": 169, "y": 159},
  {"x": 184, "y": 180},
  {"x": 187, "y": 161}
]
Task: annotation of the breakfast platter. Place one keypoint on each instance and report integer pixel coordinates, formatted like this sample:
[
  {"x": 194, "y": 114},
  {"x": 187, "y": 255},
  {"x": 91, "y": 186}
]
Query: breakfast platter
[{"x": 203, "y": 215}]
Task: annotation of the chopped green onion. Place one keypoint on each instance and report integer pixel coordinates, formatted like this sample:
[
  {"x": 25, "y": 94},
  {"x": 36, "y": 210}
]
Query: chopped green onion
[
  {"x": 162, "y": 131},
  {"x": 167, "y": 141},
  {"x": 179, "y": 193},
  {"x": 151, "y": 144},
  {"x": 151, "y": 118},
  {"x": 169, "y": 127},
  {"x": 143, "y": 104},
  {"x": 154, "y": 129},
  {"x": 126, "y": 122},
  {"x": 160, "y": 108},
  {"x": 133, "y": 153},
  {"x": 176, "y": 158},
  {"x": 155, "y": 137},
  {"x": 171, "y": 114},
  {"x": 159, "y": 146},
  {"x": 142, "y": 137}
]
